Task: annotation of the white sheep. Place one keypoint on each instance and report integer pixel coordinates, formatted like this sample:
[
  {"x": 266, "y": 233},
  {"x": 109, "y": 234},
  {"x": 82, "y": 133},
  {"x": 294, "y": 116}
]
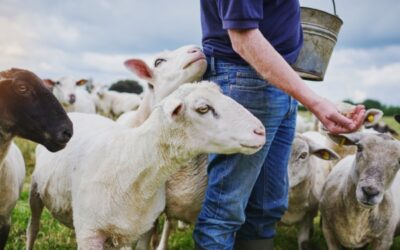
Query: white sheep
[
  {"x": 360, "y": 203},
  {"x": 28, "y": 110},
  {"x": 168, "y": 71},
  {"x": 12, "y": 174},
  {"x": 309, "y": 167},
  {"x": 72, "y": 94},
  {"x": 113, "y": 103},
  {"x": 109, "y": 182}
]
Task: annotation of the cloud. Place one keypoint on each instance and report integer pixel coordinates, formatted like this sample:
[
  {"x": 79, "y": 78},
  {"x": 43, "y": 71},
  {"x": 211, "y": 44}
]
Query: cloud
[
  {"x": 110, "y": 26},
  {"x": 388, "y": 74},
  {"x": 92, "y": 38},
  {"x": 362, "y": 73},
  {"x": 365, "y": 23},
  {"x": 359, "y": 95}
]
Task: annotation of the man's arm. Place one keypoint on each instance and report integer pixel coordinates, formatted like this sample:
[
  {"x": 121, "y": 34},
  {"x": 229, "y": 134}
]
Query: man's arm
[{"x": 251, "y": 45}]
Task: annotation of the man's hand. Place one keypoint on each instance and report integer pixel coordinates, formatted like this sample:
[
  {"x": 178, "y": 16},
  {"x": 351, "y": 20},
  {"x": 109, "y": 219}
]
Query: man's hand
[{"x": 334, "y": 121}]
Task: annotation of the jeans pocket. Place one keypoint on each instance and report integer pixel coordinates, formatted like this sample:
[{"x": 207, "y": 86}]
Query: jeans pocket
[
  {"x": 249, "y": 90},
  {"x": 249, "y": 80}
]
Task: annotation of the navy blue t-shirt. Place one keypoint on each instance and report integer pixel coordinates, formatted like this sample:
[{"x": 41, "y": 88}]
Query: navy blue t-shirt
[{"x": 278, "y": 21}]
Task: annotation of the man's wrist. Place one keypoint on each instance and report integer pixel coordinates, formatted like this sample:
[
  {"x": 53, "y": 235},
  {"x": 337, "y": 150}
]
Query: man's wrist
[{"x": 312, "y": 102}]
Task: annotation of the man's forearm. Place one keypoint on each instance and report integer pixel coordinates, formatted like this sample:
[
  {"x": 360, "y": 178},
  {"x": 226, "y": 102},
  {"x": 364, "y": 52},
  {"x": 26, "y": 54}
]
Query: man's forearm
[{"x": 259, "y": 53}]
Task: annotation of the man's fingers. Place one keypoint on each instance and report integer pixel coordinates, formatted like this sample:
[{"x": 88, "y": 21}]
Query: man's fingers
[
  {"x": 341, "y": 124},
  {"x": 358, "y": 118},
  {"x": 342, "y": 121},
  {"x": 335, "y": 129},
  {"x": 337, "y": 123}
]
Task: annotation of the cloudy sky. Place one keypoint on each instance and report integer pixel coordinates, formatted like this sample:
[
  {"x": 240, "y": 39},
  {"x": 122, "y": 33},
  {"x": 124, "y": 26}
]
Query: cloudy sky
[{"x": 91, "y": 38}]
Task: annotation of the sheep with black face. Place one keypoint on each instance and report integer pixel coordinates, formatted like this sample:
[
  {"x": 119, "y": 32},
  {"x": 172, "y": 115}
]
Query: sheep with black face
[{"x": 29, "y": 110}]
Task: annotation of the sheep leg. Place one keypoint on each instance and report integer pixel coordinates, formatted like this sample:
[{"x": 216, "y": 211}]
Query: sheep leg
[
  {"x": 144, "y": 241},
  {"x": 331, "y": 241},
  {"x": 384, "y": 243},
  {"x": 363, "y": 248},
  {"x": 4, "y": 232},
  {"x": 91, "y": 240},
  {"x": 154, "y": 238},
  {"x": 165, "y": 234},
  {"x": 304, "y": 233},
  {"x": 36, "y": 205}
]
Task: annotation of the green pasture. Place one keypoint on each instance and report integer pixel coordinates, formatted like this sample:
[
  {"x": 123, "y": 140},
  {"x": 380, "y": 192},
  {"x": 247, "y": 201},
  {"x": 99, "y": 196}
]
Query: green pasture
[{"x": 53, "y": 235}]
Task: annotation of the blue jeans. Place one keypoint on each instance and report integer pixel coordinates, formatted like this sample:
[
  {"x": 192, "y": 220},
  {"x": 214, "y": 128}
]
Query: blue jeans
[{"x": 248, "y": 194}]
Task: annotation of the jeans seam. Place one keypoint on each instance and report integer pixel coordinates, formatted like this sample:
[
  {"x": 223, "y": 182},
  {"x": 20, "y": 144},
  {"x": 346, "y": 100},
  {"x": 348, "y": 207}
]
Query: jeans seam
[
  {"x": 220, "y": 190},
  {"x": 291, "y": 108}
]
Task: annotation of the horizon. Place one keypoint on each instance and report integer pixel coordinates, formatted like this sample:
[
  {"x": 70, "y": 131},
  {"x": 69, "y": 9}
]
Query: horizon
[{"x": 92, "y": 38}]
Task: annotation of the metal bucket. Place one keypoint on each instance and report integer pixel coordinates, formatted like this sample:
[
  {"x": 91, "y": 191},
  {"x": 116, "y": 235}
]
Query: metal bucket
[{"x": 320, "y": 31}]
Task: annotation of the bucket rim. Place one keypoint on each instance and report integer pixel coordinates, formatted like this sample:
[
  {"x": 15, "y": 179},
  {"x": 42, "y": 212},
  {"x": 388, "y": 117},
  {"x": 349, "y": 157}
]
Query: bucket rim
[
  {"x": 325, "y": 12},
  {"x": 308, "y": 75}
]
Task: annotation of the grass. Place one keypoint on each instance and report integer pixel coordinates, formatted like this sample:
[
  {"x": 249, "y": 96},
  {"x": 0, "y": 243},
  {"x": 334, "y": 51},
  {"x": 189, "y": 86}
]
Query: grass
[{"x": 53, "y": 235}]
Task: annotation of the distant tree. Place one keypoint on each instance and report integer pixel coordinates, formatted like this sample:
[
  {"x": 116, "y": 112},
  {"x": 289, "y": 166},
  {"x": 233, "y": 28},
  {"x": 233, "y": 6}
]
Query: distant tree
[
  {"x": 391, "y": 110},
  {"x": 370, "y": 103},
  {"x": 128, "y": 86},
  {"x": 349, "y": 101}
]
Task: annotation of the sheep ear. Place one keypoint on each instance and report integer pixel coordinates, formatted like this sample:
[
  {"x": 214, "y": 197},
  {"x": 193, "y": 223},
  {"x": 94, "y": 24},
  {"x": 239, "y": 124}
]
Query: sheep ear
[
  {"x": 81, "y": 82},
  {"x": 173, "y": 108},
  {"x": 322, "y": 151},
  {"x": 326, "y": 154},
  {"x": 48, "y": 83},
  {"x": 140, "y": 68},
  {"x": 346, "y": 139},
  {"x": 372, "y": 117},
  {"x": 397, "y": 118}
]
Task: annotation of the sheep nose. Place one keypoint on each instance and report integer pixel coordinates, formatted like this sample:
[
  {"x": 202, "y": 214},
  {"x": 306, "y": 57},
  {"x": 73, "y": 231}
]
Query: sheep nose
[
  {"x": 370, "y": 191},
  {"x": 72, "y": 98},
  {"x": 259, "y": 131},
  {"x": 193, "y": 50},
  {"x": 64, "y": 135}
]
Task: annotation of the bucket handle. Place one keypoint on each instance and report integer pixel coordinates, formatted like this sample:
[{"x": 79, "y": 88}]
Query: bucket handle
[{"x": 334, "y": 7}]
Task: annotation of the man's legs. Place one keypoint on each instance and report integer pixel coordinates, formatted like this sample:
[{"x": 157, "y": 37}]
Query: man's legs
[
  {"x": 232, "y": 177},
  {"x": 269, "y": 198}
]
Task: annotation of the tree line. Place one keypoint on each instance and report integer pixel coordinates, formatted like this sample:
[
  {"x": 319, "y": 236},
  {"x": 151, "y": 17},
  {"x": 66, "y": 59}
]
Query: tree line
[{"x": 371, "y": 103}]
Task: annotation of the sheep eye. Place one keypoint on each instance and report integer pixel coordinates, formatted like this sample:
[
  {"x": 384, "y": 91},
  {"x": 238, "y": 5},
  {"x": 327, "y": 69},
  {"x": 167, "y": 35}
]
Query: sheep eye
[
  {"x": 158, "y": 61},
  {"x": 22, "y": 89},
  {"x": 203, "y": 109},
  {"x": 57, "y": 83},
  {"x": 303, "y": 155}
]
